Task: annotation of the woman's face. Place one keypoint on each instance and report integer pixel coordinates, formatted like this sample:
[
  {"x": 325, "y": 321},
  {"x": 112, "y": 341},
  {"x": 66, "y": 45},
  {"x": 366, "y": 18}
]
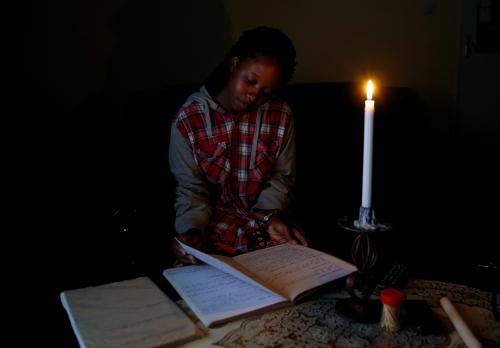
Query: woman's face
[{"x": 251, "y": 83}]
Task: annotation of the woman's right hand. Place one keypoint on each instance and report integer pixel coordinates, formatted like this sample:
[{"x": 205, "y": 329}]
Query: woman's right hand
[
  {"x": 282, "y": 232},
  {"x": 193, "y": 238}
]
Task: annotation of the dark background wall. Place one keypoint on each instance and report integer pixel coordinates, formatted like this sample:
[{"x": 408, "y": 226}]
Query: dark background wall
[
  {"x": 78, "y": 63},
  {"x": 69, "y": 51}
]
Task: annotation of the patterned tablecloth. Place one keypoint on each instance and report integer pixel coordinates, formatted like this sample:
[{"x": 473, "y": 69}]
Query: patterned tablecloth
[{"x": 315, "y": 323}]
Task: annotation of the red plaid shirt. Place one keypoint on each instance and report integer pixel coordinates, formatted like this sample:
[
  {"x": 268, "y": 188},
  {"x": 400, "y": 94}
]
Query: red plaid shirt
[{"x": 235, "y": 176}]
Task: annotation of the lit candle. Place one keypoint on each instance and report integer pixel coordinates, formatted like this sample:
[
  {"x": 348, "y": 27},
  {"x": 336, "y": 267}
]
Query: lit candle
[{"x": 366, "y": 200}]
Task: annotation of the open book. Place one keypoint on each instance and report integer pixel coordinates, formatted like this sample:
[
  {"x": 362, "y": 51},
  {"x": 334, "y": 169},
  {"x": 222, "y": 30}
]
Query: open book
[
  {"x": 226, "y": 288},
  {"x": 129, "y": 313}
]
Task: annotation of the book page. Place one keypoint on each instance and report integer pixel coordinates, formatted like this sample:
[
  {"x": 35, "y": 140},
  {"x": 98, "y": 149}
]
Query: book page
[
  {"x": 130, "y": 313},
  {"x": 216, "y": 296},
  {"x": 228, "y": 265},
  {"x": 293, "y": 269}
]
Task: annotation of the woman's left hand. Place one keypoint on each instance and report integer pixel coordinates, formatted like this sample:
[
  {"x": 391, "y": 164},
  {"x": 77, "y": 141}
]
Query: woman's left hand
[{"x": 281, "y": 232}]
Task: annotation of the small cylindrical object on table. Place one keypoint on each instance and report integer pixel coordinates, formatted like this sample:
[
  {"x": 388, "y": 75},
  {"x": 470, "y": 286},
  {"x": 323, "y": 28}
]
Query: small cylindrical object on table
[
  {"x": 391, "y": 303},
  {"x": 463, "y": 330}
]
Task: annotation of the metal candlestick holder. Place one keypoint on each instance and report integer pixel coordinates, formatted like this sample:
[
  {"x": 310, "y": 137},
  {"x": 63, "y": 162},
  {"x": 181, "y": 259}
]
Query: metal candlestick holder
[
  {"x": 364, "y": 253},
  {"x": 365, "y": 223}
]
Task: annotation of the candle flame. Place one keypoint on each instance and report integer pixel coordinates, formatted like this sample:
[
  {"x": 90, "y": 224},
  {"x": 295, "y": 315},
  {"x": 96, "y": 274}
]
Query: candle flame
[{"x": 369, "y": 90}]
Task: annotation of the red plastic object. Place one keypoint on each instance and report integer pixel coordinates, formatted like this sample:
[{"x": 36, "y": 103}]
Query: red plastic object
[{"x": 391, "y": 297}]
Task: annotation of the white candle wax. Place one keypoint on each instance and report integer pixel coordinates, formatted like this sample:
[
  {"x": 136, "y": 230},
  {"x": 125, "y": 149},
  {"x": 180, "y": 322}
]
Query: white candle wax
[
  {"x": 463, "y": 330},
  {"x": 366, "y": 199}
]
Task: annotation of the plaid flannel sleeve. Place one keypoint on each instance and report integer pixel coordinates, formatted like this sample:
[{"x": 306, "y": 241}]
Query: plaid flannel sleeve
[{"x": 192, "y": 207}]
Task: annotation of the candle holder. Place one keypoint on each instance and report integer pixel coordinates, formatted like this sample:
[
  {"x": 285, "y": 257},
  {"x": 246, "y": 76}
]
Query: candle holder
[
  {"x": 365, "y": 223},
  {"x": 364, "y": 253}
]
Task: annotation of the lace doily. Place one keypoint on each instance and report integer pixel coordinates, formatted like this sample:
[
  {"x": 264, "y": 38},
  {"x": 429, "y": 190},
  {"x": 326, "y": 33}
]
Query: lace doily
[{"x": 316, "y": 324}]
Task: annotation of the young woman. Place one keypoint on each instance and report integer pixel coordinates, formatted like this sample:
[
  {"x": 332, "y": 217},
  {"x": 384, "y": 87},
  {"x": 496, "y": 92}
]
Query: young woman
[{"x": 232, "y": 152}]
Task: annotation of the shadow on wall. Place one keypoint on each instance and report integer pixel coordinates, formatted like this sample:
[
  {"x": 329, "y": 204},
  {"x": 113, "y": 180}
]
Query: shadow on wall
[
  {"x": 86, "y": 163},
  {"x": 168, "y": 42},
  {"x": 69, "y": 51},
  {"x": 88, "y": 158}
]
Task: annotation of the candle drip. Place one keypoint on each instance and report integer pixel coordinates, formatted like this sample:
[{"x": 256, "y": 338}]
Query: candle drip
[{"x": 367, "y": 221}]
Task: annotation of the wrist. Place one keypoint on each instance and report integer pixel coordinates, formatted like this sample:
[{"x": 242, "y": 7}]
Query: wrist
[{"x": 268, "y": 215}]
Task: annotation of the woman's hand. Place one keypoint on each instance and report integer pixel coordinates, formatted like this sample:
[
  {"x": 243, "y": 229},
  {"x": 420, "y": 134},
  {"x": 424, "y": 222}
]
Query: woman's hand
[
  {"x": 193, "y": 238},
  {"x": 281, "y": 232}
]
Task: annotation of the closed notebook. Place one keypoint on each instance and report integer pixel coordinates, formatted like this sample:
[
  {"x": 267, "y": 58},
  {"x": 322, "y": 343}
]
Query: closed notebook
[{"x": 130, "y": 313}]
